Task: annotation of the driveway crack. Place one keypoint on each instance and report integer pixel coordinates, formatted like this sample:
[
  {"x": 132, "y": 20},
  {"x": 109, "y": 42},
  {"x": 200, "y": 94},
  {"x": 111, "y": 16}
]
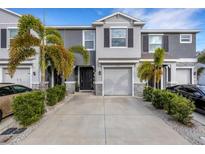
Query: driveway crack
[{"x": 104, "y": 120}]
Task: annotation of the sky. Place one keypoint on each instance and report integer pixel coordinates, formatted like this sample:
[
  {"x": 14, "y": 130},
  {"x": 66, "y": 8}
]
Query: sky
[{"x": 154, "y": 18}]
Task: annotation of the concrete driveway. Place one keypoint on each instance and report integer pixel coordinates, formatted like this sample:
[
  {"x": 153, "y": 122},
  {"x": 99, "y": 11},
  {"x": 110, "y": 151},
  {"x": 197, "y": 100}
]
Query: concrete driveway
[{"x": 89, "y": 119}]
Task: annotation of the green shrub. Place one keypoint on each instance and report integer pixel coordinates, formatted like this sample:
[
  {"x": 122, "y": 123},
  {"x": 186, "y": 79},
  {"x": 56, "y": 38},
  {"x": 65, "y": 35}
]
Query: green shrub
[
  {"x": 28, "y": 107},
  {"x": 167, "y": 100},
  {"x": 147, "y": 93},
  {"x": 51, "y": 96},
  {"x": 157, "y": 99},
  {"x": 61, "y": 92},
  {"x": 55, "y": 94},
  {"x": 182, "y": 109}
]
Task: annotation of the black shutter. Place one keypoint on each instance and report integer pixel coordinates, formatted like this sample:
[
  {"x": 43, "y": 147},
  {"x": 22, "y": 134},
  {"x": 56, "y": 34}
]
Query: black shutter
[
  {"x": 145, "y": 40},
  {"x": 130, "y": 38},
  {"x": 166, "y": 43},
  {"x": 3, "y": 38},
  {"x": 106, "y": 37}
]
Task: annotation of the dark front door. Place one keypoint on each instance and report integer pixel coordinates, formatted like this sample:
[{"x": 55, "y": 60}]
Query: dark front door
[{"x": 86, "y": 78}]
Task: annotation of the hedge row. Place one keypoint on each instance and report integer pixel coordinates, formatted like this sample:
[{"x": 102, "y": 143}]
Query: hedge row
[
  {"x": 175, "y": 105},
  {"x": 55, "y": 95},
  {"x": 30, "y": 107}
]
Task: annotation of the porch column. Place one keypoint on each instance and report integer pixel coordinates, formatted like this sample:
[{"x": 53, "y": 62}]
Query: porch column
[
  {"x": 173, "y": 74},
  {"x": 1, "y": 74},
  {"x": 52, "y": 78}
]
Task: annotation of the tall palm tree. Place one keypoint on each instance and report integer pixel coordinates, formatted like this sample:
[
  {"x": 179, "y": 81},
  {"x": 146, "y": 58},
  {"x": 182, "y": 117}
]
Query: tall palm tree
[
  {"x": 152, "y": 71},
  {"x": 32, "y": 35}
]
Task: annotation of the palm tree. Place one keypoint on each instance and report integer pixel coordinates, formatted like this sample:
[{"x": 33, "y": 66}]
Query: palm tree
[
  {"x": 152, "y": 71},
  {"x": 200, "y": 59},
  {"x": 32, "y": 34}
]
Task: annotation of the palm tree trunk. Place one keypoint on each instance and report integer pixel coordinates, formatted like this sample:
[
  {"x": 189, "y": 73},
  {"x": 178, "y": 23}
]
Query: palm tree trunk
[{"x": 43, "y": 65}]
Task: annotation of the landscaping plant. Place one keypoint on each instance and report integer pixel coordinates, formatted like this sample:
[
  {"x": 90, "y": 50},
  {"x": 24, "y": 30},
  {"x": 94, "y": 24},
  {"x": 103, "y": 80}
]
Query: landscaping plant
[
  {"x": 28, "y": 107},
  {"x": 147, "y": 93},
  {"x": 55, "y": 94},
  {"x": 179, "y": 107}
]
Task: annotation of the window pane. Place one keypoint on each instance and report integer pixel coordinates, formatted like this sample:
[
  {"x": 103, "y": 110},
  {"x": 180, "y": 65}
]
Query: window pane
[
  {"x": 155, "y": 39},
  {"x": 89, "y": 44},
  {"x": 12, "y": 33},
  {"x": 152, "y": 47},
  {"x": 119, "y": 33},
  {"x": 89, "y": 35},
  {"x": 118, "y": 42},
  {"x": 185, "y": 38}
]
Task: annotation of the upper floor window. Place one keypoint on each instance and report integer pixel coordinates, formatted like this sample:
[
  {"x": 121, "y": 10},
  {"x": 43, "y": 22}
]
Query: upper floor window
[
  {"x": 12, "y": 32},
  {"x": 118, "y": 37},
  {"x": 155, "y": 41},
  {"x": 185, "y": 38},
  {"x": 89, "y": 39}
]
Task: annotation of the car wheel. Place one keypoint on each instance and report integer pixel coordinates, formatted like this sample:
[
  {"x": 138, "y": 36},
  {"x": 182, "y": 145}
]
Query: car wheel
[{"x": 1, "y": 115}]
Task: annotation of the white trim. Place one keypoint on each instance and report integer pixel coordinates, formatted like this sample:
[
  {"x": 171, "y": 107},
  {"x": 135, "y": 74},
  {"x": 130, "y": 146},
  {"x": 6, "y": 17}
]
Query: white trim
[
  {"x": 119, "y": 27},
  {"x": 72, "y": 27},
  {"x": 8, "y": 35},
  {"x": 155, "y": 44},
  {"x": 184, "y": 42},
  {"x": 170, "y": 30},
  {"x": 119, "y": 13},
  {"x": 118, "y": 61},
  {"x": 24, "y": 62},
  {"x": 98, "y": 82},
  {"x": 83, "y": 40},
  {"x": 188, "y": 67},
  {"x": 70, "y": 82},
  {"x": 14, "y": 13},
  {"x": 174, "y": 60},
  {"x": 8, "y": 23},
  {"x": 122, "y": 66}
]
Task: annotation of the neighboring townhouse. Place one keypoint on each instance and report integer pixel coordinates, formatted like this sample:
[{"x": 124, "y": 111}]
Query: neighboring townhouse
[
  {"x": 117, "y": 44},
  {"x": 27, "y": 73}
]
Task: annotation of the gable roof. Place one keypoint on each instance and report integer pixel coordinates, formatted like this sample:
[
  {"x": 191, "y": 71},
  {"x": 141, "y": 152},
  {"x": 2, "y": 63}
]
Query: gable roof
[
  {"x": 11, "y": 12},
  {"x": 122, "y": 14}
]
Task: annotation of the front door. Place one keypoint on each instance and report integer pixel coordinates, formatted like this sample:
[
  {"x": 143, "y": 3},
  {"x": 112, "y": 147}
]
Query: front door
[{"x": 86, "y": 78}]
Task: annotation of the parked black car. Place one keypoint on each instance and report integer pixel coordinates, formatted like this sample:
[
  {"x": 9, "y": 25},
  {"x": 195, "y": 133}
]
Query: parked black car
[{"x": 193, "y": 92}]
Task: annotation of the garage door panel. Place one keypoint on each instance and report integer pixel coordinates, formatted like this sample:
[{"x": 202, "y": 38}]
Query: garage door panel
[
  {"x": 118, "y": 81},
  {"x": 183, "y": 76},
  {"x": 21, "y": 76}
]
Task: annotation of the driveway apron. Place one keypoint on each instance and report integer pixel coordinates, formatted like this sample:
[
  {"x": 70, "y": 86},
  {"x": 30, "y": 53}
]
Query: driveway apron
[{"x": 90, "y": 119}]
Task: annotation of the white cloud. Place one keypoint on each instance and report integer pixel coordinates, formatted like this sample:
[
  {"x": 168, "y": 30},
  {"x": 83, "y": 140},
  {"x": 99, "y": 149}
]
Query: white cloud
[{"x": 165, "y": 18}]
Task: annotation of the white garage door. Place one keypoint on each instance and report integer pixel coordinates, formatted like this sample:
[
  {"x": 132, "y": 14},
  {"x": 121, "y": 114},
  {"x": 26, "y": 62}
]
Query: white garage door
[
  {"x": 183, "y": 76},
  {"x": 21, "y": 76},
  {"x": 117, "y": 81}
]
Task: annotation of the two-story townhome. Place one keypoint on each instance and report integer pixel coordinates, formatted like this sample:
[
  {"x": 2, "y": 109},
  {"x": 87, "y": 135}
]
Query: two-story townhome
[{"x": 117, "y": 44}]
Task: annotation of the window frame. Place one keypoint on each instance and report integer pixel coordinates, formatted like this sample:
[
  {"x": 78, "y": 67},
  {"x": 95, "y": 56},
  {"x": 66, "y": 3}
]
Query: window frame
[
  {"x": 8, "y": 35},
  {"x": 149, "y": 41},
  {"x": 123, "y": 27},
  {"x": 186, "y": 42},
  {"x": 94, "y": 39}
]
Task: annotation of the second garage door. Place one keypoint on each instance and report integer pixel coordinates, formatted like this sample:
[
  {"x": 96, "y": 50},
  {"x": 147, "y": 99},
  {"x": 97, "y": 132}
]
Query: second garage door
[
  {"x": 117, "y": 81},
  {"x": 21, "y": 76},
  {"x": 183, "y": 76}
]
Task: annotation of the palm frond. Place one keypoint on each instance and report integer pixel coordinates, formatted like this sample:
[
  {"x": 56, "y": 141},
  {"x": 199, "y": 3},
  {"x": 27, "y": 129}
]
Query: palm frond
[
  {"x": 81, "y": 50},
  {"x": 145, "y": 71},
  {"x": 159, "y": 56}
]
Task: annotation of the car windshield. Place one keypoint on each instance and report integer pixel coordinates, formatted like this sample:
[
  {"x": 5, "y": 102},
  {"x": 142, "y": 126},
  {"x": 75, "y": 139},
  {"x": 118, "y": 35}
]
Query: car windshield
[{"x": 202, "y": 88}]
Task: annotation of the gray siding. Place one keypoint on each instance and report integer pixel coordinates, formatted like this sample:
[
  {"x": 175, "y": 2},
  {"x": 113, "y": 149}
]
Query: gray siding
[
  {"x": 176, "y": 49},
  {"x": 74, "y": 37}
]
